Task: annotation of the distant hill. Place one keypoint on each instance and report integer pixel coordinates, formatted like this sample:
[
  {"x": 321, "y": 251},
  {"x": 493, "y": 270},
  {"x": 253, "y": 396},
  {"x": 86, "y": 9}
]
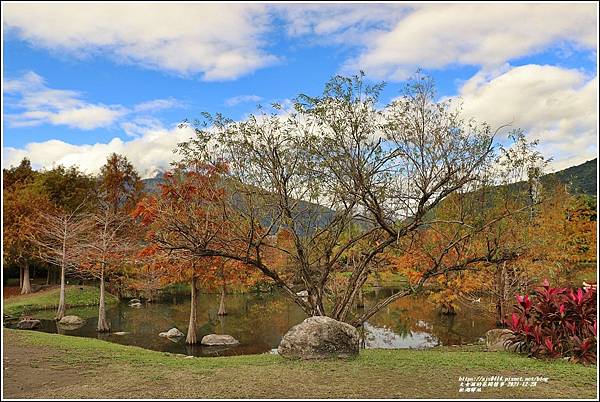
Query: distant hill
[
  {"x": 309, "y": 214},
  {"x": 581, "y": 179},
  {"x": 151, "y": 184}
]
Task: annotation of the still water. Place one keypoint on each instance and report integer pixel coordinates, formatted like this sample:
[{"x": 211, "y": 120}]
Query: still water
[{"x": 259, "y": 321}]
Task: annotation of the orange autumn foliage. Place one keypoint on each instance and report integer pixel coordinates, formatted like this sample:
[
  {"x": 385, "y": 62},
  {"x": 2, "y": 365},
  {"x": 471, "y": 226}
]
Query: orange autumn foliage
[{"x": 192, "y": 196}]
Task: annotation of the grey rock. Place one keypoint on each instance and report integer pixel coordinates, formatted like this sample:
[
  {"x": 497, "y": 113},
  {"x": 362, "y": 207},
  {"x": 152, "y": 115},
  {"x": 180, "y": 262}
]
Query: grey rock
[
  {"x": 218, "y": 340},
  {"x": 29, "y": 324},
  {"x": 172, "y": 333},
  {"x": 320, "y": 338},
  {"x": 497, "y": 340},
  {"x": 71, "y": 320}
]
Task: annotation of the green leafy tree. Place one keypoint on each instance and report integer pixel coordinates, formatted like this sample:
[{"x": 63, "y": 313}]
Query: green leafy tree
[{"x": 68, "y": 188}]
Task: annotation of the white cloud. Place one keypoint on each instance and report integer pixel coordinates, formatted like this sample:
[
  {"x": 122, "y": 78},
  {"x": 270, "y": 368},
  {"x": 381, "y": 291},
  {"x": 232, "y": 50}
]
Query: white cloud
[
  {"x": 157, "y": 104},
  {"x": 395, "y": 39},
  {"x": 149, "y": 152},
  {"x": 30, "y": 79},
  {"x": 86, "y": 117},
  {"x": 226, "y": 41},
  {"x": 241, "y": 99},
  {"x": 558, "y": 106},
  {"x": 219, "y": 41},
  {"x": 349, "y": 24},
  {"x": 140, "y": 125},
  {"x": 38, "y": 104}
]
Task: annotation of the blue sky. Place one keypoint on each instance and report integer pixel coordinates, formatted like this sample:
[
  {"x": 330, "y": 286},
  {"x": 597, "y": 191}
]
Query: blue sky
[{"x": 94, "y": 79}]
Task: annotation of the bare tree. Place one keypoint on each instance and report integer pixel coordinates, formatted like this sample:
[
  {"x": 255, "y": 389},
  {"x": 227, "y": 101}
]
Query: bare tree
[
  {"x": 107, "y": 245},
  {"x": 57, "y": 236}
]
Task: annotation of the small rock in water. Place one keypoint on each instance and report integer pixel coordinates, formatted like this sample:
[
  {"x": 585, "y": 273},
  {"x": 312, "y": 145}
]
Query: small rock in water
[
  {"x": 120, "y": 333},
  {"x": 217, "y": 340},
  {"x": 133, "y": 301},
  {"x": 29, "y": 324},
  {"x": 172, "y": 333},
  {"x": 135, "y": 304},
  {"x": 71, "y": 320}
]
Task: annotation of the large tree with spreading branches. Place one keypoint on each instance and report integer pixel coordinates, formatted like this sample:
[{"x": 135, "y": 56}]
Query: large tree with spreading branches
[{"x": 335, "y": 172}]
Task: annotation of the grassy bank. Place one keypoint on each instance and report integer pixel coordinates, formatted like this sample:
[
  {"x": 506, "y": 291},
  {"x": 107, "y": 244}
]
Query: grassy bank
[
  {"x": 76, "y": 296},
  {"x": 48, "y": 365},
  {"x": 384, "y": 279}
]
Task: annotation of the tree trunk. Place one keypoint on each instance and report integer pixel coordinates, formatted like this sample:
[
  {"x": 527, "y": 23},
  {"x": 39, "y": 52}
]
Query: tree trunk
[
  {"x": 500, "y": 285},
  {"x": 191, "y": 337},
  {"x": 363, "y": 338},
  {"x": 48, "y": 277},
  {"x": 361, "y": 301},
  {"x": 102, "y": 323},
  {"x": 26, "y": 288},
  {"x": 448, "y": 309},
  {"x": 60, "y": 312},
  {"x": 222, "y": 310},
  {"x": 377, "y": 282},
  {"x": 21, "y": 277}
]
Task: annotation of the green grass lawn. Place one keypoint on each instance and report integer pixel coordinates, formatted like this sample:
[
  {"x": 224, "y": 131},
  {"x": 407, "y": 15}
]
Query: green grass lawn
[
  {"x": 113, "y": 370},
  {"x": 386, "y": 279},
  {"x": 76, "y": 296}
]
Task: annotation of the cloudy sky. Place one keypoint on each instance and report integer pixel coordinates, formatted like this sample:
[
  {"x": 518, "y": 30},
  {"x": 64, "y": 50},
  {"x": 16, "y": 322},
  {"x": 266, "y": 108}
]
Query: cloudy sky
[{"x": 83, "y": 80}]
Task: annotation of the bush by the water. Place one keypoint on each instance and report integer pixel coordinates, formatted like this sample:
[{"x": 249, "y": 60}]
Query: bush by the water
[{"x": 556, "y": 322}]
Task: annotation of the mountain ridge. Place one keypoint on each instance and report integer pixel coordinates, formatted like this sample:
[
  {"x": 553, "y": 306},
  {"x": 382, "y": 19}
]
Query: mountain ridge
[{"x": 580, "y": 178}]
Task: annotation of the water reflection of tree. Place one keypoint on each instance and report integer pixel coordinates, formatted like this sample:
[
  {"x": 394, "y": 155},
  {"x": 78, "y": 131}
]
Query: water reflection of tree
[{"x": 414, "y": 315}]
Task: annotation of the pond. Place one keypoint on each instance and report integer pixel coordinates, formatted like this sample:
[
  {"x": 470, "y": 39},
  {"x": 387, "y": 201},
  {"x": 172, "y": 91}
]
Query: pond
[{"x": 259, "y": 320}]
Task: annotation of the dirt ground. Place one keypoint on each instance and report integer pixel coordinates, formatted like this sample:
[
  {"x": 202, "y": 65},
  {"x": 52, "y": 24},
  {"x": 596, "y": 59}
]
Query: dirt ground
[
  {"x": 19, "y": 365},
  {"x": 10, "y": 291}
]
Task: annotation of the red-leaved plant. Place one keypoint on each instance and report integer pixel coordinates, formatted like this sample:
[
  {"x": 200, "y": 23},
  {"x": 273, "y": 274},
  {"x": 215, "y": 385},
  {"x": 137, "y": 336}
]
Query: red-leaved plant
[{"x": 556, "y": 322}]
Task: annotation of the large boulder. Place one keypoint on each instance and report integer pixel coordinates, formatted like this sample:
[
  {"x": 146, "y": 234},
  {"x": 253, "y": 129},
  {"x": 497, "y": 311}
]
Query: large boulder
[
  {"x": 172, "y": 333},
  {"x": 29, "y": 323},
  {"x": 218, "y": 340},
  {"x": 498, "y": 340},
  {"x": 320, "y": 338}
]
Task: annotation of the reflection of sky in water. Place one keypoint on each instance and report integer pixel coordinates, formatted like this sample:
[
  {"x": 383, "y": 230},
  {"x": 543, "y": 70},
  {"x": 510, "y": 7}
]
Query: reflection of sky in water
[{"x": 385, "y": 338}]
